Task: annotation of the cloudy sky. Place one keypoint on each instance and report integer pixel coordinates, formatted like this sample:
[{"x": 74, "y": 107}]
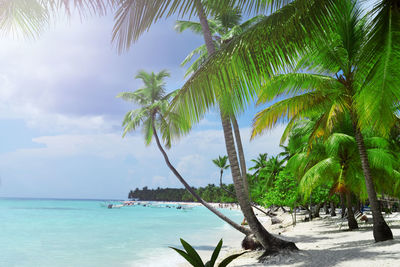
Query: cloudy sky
[{"x": 61, "y": 123}]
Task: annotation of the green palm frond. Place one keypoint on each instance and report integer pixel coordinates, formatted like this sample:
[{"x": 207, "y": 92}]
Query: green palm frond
[
  {"x": 221, "y": 162},
  {"x": 195, "y": 27},
  {"x": 380, "y": 89},
  {"x": 134, "y": 17},
  {"x": 318, "y": 174},
  {"x": 381, "y": 159},
  {"x": 202, "y": 54},
  {"x": 296, "y": 83},
  {"x": 300, "y": 106},
  {"x": 338, "y": 142},
  {"x": 252, "y": 57}
]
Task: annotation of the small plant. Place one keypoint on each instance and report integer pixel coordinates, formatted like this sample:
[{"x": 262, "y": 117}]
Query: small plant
[{"x": 194, "y": 259}]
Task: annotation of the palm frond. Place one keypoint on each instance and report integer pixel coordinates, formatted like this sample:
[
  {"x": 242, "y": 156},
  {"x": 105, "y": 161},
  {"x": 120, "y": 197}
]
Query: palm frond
[
  {"x": 296, "y": 83},
  {"x": 251, "y": 58},
  {"x": 23, "y": 17},
  {"x": 300, "y": 106},
  {"x": 380, "y": 92},
  {"x": 318, "y": 174}
]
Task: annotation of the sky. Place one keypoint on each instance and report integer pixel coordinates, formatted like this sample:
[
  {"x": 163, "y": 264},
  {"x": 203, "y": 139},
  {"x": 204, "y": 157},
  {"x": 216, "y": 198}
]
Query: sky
[{"x": 61, "y": 122}]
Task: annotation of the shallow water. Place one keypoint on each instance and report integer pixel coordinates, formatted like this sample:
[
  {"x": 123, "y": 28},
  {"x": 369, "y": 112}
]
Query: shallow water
[{"x": 83, "y": 233}]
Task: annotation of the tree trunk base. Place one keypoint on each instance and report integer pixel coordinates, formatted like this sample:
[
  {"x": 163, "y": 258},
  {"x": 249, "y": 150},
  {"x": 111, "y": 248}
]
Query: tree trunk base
[
  {"x": 276, "y": 245},
  {"x": 352, "y": 223},
  {"x": 250, "y": 242},
  {"x": 382, "y": 232},
  {"x": 285, "y": 252}
]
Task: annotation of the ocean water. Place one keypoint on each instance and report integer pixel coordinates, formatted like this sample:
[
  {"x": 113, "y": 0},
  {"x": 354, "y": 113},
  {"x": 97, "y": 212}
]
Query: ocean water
[{"x": 83, "y": 233}]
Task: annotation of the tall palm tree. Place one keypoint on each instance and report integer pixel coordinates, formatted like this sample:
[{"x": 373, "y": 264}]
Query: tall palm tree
[
  {"x": 223, "y": 27},
  {"x": 344, "y": 77},
  {"x": 222, "y": 164},
  {"x": 153, "y": 116},
  {"x": 128, "y": 28}
]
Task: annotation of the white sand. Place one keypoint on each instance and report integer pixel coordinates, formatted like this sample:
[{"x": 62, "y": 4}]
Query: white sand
[{"x": 321, "y": 244}]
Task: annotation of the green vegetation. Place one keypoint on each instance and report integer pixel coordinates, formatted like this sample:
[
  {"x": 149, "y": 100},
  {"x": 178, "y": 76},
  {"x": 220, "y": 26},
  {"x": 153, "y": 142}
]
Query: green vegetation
[
  {"x": 194, "y": 259},
  {"x": 210, "y": 193}
]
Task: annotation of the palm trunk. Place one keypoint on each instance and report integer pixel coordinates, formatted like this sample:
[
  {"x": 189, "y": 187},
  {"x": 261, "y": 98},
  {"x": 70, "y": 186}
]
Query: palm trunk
[
  {"x": 352, "y": 222},
  {"x": 223, "y": 187},
  {"x": 326, "y": 208},
  {"x": 241, "y": 155},
  {"x": 317, "y": 210},
  {"x": 242, "y": 229},
  {"x": 333, "y": 212},
  {"x": 342, "y": 204},
  {"x": 381, "y": 230},
  {"x": 267, "y": 240}
]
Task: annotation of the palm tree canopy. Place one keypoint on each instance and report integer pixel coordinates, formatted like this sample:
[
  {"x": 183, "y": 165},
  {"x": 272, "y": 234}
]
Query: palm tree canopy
[
  {"x": 341, "y": 81},
  {"x": 134, "y": 17},
  {"x": 336, "y": 161},
  {"x": 223, "y": 27},
  {"x": 153, "y": 109},
  {"x": 249, "y": 59},
  {"x": 29, "y": 17},
  {"x": 260, "y": 162},
  {"x": 221, "y": 162}
]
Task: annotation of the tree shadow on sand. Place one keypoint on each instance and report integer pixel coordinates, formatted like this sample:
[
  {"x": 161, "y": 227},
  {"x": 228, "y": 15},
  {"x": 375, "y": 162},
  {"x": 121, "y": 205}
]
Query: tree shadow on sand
[{"x": 353, "y": 251}]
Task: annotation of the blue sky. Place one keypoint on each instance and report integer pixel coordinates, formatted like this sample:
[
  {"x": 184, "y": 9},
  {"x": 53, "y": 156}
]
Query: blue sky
[{"x": 61, "y": 123}]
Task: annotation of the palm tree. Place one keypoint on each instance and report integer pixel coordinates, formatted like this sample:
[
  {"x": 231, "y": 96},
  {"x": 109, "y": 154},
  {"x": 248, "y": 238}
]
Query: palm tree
[
  {"x": 223, "y": 28},
  {"x": 273, "y": 167},
  {"x": 153, "y": 116},
  {"x": 128, "y": 28},
  {"x": 346, "y": 78},
  {"x": 222, "y": 164},
  {"x": 260, "y": 163}
]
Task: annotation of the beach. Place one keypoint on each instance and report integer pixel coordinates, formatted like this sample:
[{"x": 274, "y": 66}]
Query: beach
[{"x": 321, "y": 243}]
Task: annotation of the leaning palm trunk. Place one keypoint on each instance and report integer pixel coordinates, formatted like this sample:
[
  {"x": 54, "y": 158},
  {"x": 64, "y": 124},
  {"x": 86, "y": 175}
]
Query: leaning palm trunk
[
  {"x": 352, "y": 222},
  {"x": 267, "y": 240},
  {"x": 242, "y": 229},
  {"x": 381, "y": 230},
  {"x": 242, "y": 160}
]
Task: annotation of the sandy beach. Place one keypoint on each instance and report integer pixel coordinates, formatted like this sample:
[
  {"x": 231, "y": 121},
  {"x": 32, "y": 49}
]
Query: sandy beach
[{"x": 321, "y": 243}]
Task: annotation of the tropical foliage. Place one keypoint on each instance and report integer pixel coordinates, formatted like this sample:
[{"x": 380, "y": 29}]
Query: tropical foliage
[
  {"x": 209, "y": 193},
  {"x": 194, "y": 259}
]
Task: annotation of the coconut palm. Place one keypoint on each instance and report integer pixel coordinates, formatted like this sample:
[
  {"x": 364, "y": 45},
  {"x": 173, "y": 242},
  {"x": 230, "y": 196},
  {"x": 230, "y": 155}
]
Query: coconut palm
[
  {"x": 260, "y": 162},
  {"x": 222, "y": 164},
  {"x": 223, "y": 27},
  {"x": 129, "y": 26},
  {"x": 336, "y": 161},
  {"x": 154, "y": 117},
  {"x": 344, "y": 77},
  {"x": 273, "y": 167}
]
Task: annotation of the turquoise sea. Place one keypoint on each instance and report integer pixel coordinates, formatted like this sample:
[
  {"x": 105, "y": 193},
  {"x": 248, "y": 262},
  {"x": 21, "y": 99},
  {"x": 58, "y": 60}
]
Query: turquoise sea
[{"x": 37, "y": 232}]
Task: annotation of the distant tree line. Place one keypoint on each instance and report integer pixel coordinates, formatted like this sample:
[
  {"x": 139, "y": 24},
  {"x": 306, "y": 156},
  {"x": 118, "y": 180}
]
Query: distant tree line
[{"x": 210, "y": 193}]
